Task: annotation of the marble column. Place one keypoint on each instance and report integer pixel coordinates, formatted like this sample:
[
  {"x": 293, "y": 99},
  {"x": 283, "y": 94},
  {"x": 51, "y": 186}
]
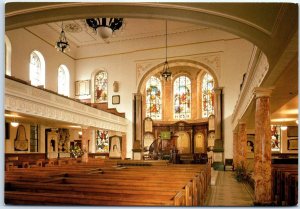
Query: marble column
[
  {"x": 124, "y": 146},
  {"x": 262, "y": 147},
  {"x": 235, "y": 148},
  {"x": 86, "y": 136},
  {"x": 242, "y": 145},
  {"x": 218, "y": 113},
  {"x": 138, "y": 118}
]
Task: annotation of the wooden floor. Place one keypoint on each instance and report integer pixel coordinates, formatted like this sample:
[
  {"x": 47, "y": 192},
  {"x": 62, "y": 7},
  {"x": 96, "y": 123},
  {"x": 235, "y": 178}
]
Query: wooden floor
[{"x": 228, "y": 192}]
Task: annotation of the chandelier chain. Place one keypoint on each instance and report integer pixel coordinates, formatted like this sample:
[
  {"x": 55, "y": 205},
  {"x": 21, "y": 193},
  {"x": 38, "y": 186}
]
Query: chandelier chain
[{"x": 166, "y": 41}]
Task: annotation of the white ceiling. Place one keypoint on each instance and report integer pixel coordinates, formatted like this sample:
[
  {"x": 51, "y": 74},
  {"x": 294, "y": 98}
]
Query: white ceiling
[{"x": 79, "y": 34}]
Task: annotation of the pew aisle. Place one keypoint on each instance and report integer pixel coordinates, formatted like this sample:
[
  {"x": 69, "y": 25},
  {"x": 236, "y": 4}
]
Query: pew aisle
[{"x": 228, "y": 192}]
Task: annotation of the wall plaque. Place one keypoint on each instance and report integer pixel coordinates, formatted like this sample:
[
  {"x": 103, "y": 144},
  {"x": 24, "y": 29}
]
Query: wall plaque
[
  {"x": 218, "y": 157},
  {"x": 148, "y": 125}
]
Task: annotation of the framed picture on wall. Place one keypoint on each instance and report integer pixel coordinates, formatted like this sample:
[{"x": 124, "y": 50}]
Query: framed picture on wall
[
  {"x": 116, "y": 99},
  {"x": 292, "y": 143},
  {"x": 82, "y": 88}
]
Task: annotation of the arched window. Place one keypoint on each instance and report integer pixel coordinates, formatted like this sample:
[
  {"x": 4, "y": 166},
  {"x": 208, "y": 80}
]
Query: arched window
[
  {"x": 153, "y": 98},
  {"x": 207, "y": 95},
  {"x": 7, "y": 56},
  {"x": 63, "y": 80},
  {"x": 37, "y": 69},
  {"x": 101, "y": 87},
  {"x": 182, "y": 98}
]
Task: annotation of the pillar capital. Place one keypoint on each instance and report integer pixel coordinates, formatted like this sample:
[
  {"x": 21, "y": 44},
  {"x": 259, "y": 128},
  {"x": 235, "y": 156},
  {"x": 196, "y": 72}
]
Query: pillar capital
[
  {"x": 241, "y": 122},
  {"x": 262, "y": 92},
  {"x": 218, "y": 90}
]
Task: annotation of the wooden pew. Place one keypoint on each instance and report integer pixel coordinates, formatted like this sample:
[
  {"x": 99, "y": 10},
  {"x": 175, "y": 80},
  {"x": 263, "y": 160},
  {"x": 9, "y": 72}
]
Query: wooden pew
[
  {"x": 283, "y": 184},
  {"x": 30, "y": 198},
  {"x": 154, "y": 183}
]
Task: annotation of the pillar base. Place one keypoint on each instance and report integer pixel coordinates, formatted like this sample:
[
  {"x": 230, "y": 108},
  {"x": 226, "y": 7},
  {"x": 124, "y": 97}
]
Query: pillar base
[{"x": 263, "y": 203}]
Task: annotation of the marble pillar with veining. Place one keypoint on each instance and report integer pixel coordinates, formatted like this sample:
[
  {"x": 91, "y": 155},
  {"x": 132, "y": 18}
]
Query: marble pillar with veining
[
  {"x": 262, "y": 147},
  {"x": 218, "y": 112},
  {"x": 242, "y": 148},
  {"x": 124, "y": 147},
  {"x": 86, "y": 136},
  {"x": 235, "y": 149},
  {"x": 138, "y": 117}
]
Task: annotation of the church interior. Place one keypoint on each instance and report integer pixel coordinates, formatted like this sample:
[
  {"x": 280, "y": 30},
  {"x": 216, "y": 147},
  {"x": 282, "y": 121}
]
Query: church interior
[{"x": 150, "y": 104}]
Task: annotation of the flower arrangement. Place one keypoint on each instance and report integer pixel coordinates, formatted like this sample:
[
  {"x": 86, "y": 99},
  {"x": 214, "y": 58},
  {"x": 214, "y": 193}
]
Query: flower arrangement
[{"x": 76, "y": 151}]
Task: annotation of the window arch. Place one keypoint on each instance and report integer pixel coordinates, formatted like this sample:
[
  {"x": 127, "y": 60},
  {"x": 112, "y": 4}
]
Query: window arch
[
  {"x": 153, "y": 98},
  {"x": 207, "y": 95},
  {"x": 37, "y": 69},
  {"x": 100, "y": 86},
  {"x": 63, "y": 80},
  {"x": 182, "y": 98}
]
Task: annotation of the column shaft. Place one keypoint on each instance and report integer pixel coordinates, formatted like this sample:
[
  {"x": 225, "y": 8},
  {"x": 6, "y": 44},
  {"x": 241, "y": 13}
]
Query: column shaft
[
  {"x": 242, "y": 148},
  {"x": 234, "y": 149},
  {"x": 86, "y": 136},
  {"x": 262, "y": 151},
  {"x": 218, "y": 113}
]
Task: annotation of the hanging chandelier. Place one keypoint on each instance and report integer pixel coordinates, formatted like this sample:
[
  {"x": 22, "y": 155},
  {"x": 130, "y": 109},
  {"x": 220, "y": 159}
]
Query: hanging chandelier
[
  {"x": 166, "y": 74},
  {"x": 105, "y": 27},
  {"x": 62, "y": 44}
]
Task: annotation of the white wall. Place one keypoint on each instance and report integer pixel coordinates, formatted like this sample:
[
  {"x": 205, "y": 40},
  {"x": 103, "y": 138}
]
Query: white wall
[
  {"x": 234, "y": 64},
  {"x": 23, "y": 43},
  {"x": 121, "y": 61}
]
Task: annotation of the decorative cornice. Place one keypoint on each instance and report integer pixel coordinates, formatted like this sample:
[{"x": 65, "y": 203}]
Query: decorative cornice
[
  {"x": 29, "y": 100},
  {"x": 257, "y": 70}
]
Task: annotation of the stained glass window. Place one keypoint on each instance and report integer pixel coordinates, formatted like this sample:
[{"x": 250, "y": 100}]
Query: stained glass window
[
  {"x": 63, "y": 80},
  {"x": 102, "y": 141},
  {"x": 182, "y": 98},
  {"x": 101, "y": 87},
  {"x": 275, "y": 138},
  {"x": 37, "y": 69},
  {"x": 207, "y": 95},
  {"x": 153, "y": 98}
]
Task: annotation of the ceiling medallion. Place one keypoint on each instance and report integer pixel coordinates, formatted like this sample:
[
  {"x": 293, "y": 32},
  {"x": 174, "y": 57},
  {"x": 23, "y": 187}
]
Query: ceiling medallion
[{"x": 73, "y": 28}]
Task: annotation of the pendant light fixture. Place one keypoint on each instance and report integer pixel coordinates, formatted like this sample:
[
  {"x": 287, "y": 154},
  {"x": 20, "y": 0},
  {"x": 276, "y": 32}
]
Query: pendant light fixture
[
  {"x": 14, "y": 123},
  {"x": 105, "y": 27},
  {"x": 62, "y": 44},
  {"x": 166, "y": 74}
]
